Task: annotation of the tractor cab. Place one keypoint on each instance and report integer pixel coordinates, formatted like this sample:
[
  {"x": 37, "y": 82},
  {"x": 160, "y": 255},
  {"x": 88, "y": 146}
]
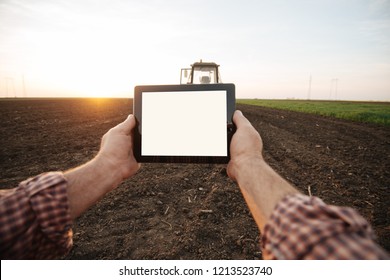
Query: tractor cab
[{"x": 201, "y": 73}]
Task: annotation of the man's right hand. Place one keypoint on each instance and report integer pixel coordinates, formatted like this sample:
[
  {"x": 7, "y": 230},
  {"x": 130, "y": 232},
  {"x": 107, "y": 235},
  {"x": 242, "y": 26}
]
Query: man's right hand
[
  {"x": 260, "y": 185},
  {"x": 246, "y": 145}
]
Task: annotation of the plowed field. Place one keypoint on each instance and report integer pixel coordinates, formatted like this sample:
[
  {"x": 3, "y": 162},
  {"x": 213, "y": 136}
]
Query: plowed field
[{"x": 179, "y": 211}]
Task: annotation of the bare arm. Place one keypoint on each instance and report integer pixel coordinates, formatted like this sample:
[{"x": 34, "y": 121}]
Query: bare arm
[
  {"x": 260, "y": 185},
  {"x": 114, "y": 163}
]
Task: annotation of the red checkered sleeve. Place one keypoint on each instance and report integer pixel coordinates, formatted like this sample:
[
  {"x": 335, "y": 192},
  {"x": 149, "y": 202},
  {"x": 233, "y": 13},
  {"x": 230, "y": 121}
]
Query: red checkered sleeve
[
  {"x": 35, "y": 222},
  {"x": 303, "y": 227}
]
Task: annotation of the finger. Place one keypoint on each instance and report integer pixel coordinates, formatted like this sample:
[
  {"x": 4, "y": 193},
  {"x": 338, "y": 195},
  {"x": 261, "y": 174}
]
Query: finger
[{"x": 127, "y": 125}]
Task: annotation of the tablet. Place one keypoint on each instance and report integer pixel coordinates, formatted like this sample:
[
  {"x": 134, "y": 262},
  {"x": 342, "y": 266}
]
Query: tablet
[{"x": 184, "y": 123}]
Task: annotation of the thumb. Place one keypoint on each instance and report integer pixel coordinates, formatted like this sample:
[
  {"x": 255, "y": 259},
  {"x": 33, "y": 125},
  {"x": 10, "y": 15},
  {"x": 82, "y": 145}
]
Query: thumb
[
  {"x": 127, "y": 125},
  {"x": 239, "y": 119}
]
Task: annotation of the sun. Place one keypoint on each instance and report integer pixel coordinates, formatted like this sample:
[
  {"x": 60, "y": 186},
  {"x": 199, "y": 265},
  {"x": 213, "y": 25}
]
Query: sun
[{"x": 93, "y": 92}]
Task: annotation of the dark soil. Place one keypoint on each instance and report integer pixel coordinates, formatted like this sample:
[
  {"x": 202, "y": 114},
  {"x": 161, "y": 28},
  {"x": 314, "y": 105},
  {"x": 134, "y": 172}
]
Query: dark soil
[{"x": 181, "y": 211}]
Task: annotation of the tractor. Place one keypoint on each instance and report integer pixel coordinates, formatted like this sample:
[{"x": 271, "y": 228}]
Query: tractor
[{"x": 201, "y": 73}]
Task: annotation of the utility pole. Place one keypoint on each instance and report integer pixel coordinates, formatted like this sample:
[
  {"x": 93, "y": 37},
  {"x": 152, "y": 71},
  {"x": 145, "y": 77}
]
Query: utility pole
[
  {"x": 13, "y": 87},
  {"x": 309, "y": 91},
  {"x": 24, "y": 87},
  {"x": 333, "y": 84},
  {"x": 7, "y": 79}
]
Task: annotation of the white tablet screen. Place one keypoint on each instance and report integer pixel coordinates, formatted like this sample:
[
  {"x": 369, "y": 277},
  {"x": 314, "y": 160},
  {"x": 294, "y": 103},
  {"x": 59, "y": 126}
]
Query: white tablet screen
[{"x": 184, "y": 123}]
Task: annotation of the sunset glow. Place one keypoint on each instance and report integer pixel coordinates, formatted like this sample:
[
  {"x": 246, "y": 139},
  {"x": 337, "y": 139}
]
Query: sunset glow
[{"x": 269, "y": 49}]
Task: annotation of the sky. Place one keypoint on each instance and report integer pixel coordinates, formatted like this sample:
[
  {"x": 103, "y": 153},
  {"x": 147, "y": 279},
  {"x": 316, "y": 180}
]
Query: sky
[{"x": 303, "y": 49}]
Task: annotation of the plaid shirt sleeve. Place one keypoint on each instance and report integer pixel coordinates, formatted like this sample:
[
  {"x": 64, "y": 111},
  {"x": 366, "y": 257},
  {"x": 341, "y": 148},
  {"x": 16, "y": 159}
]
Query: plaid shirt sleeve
[
  {"x": 35, "y": 222},
  {"x": 303, "y": 227}
]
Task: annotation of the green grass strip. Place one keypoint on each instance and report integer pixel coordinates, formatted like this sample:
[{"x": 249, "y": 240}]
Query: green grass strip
[{"x": 366, "y": 112}]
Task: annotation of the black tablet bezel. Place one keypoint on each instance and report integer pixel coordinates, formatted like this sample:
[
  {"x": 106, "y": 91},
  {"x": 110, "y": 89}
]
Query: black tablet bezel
[{"x": 137, "y": 111}]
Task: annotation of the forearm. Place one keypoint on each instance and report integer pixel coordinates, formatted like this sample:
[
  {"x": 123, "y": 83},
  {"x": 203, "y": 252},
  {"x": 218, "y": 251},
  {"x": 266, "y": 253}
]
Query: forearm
[
  {"x": 262, "y": 188},
  {"x": 303, "y": 227},
  {"x": 88, "y": 183}
]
